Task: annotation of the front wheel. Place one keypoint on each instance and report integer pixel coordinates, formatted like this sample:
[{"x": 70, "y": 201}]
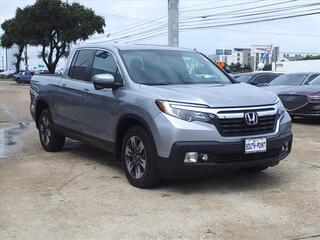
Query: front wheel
[
  {"x": 138, "y": 158},
  {"x": 50, "y": 140}
]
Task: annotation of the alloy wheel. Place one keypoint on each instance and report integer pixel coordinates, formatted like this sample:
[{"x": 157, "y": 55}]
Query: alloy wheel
[
  {"x": 45, "y": 132},
  {"x": 135, "y": 157}
]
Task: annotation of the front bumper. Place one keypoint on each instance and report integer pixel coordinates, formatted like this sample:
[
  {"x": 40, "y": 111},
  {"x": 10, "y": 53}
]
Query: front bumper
[{"x": 222, "y": 156}]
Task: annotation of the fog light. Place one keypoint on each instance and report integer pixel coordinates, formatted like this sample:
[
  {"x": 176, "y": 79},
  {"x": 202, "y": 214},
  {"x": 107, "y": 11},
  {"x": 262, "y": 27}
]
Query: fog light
[
  {"x": 204, "y": 157},
  {"x": 285, "y": 147},
  {"x": 191, "y": 157}
]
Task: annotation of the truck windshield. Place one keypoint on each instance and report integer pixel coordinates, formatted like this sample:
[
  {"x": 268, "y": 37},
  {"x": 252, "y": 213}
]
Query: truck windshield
[
  {"x": 171, "y": 67},
  {"x": 289, "y": 79}
]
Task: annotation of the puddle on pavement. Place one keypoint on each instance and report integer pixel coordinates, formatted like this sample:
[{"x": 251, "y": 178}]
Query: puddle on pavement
[{"x": 8, "y": 137}]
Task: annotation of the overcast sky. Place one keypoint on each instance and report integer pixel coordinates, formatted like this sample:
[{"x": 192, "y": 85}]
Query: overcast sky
[{"x": 292, "y": 35}]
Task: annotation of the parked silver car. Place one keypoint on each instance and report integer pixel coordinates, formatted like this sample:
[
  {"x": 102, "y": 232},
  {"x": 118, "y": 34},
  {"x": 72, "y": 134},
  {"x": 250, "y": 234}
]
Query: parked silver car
[{"x": 163, "y": 111}]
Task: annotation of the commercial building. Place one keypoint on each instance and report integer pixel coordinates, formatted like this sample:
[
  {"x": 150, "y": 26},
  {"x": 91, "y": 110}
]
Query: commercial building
[
  {"x": 248, "y": 56},
  {"x": 241, "y": 56},
  {"x": 236, "y": 56}
]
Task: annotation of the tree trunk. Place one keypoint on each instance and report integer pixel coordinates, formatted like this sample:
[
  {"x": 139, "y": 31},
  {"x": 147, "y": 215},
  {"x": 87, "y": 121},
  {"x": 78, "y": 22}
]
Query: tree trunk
[
  {"x": 51, "y": 67},
  {"x": 19, "y": 58},
  {"x": 55, "y": 53}
]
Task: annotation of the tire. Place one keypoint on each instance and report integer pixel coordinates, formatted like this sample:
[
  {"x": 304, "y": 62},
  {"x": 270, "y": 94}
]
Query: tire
[
  {"x": 255, "y": 169},
  {"x": 50, "y": 140},
  {"x": 138, "y": 158}
]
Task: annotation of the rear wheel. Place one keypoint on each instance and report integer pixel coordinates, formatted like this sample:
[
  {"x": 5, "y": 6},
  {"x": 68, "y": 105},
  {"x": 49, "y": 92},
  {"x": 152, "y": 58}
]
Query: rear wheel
[
  {"x": 138, "y": 158},
  {"x": 50, "y": 140}
]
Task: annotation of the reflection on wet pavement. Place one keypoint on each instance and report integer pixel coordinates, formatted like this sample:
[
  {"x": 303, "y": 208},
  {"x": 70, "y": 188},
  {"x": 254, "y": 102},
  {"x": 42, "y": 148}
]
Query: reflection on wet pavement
[{"x": 9, "y": 136}]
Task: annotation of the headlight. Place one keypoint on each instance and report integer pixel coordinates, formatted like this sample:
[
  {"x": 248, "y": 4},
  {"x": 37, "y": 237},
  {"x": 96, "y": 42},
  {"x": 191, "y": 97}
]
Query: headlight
[
  {"x": 314, "y": 99},
  {"x": 281, "y": 109},
  {"x": 181, "y": 111}
]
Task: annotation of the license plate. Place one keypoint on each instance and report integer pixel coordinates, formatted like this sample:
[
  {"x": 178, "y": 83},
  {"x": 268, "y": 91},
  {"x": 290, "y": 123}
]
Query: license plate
[{"x": 254, "y": 145}]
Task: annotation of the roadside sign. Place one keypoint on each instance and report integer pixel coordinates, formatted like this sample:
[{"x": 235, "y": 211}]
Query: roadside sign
[
  {"x": 219, "y": 51},
  {"x": 227, "y": 52}
]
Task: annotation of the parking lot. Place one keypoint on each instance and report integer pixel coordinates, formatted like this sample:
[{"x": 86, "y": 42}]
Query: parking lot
[{"x": 82, "y": 193}]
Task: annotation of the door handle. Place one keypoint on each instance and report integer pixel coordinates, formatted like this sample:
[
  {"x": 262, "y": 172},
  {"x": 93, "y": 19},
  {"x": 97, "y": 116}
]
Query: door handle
[
  {"x": 86, "y": 92},
  {"x": 63, "y": 85}
]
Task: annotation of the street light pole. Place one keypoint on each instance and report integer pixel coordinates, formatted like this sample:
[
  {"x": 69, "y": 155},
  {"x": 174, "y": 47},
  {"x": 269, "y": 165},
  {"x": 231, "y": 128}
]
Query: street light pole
[{"x": 173, "y": 23}]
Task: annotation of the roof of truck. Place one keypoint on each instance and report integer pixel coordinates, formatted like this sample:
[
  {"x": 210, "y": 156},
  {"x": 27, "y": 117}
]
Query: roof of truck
[{"x": 123, "y": 46}]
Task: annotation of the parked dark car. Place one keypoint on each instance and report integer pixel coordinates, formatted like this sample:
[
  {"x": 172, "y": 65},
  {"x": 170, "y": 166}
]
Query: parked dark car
[
  {"x": 303, "y": 101},
  {"x": 23, "y": 77},
  {"x": 291, "y": 79},
  {"x": 256, "y": 78}
]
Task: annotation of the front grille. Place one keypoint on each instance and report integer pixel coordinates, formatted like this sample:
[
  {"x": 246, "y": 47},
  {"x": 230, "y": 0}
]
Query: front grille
[
  {"x": 241, "y": 157},
  {"x": 238, "y": 127},
  {"x": 291, "y": 102}
]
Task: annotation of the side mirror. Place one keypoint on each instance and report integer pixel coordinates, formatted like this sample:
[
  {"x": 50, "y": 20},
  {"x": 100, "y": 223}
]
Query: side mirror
[{"x": 104, "y": 80}]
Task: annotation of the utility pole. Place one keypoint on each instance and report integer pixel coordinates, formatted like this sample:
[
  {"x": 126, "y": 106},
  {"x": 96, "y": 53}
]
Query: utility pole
[{"x": 173, "y": 23}]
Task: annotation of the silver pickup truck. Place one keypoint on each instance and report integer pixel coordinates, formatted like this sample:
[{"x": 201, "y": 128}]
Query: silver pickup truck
[{"x": 163, "y": 111}]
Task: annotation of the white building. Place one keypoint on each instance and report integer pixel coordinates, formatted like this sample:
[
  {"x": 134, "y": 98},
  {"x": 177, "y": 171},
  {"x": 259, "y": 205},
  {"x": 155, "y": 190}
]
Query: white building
[{"x": 241, "y": 56}]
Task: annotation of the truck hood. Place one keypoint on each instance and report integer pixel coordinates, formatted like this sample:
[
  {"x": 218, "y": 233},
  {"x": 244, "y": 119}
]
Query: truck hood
[{"x": 214, "y": 95}]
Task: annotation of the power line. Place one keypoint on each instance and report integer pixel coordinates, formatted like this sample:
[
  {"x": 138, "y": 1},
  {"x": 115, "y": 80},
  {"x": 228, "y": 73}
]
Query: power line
[
  {"x": 143, "y": 32},
  {"x": 146, "y": 32},
  {"x": 239, "y": 10},
  {"x": 120, "y": 16},
  {"x": 249, "y": 22},
  {"x": 150, "y": 37},
  {"x": 132, "y": 32},
  {"x": 251, "y": 13},
  {"x": 225, "y": 6},
  {"x": 223, "y": 25},
  {"x": 127, "y": 29},
  {"x": 205, "y": 22},
  {"x": 197, "y": 5}
]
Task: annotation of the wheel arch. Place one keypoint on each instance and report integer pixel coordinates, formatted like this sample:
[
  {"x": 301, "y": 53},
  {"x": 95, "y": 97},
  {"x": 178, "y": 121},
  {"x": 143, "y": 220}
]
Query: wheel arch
[
  {"x": 40, "y": 106},
  {"x": 123, "y": 125}
]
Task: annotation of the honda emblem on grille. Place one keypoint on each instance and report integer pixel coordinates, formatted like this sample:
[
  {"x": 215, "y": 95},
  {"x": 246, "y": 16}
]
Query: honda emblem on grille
[{"x": 251, "y": 118}]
